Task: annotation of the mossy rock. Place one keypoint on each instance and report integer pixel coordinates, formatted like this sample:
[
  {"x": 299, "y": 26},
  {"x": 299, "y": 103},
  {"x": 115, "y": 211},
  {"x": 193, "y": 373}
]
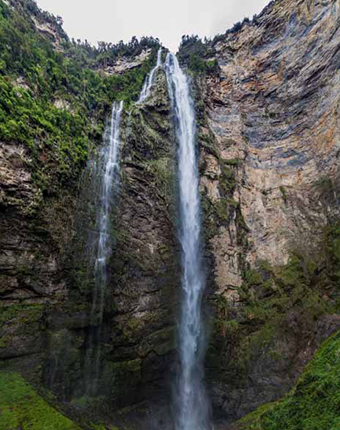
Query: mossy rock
[
  {"x": 122, "y": 374},
  {"x": 314, "y": 404}
]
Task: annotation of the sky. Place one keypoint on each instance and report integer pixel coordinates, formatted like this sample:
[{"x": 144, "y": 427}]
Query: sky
[{"x": 115, "y": 20}]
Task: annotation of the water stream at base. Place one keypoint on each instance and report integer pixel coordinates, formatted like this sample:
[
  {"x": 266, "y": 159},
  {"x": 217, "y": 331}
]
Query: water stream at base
[{"x": 191, "y": 404}]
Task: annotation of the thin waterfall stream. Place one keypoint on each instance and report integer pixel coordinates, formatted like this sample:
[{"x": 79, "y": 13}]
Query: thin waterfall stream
[
  {"x": 149, "y": 80},
  {"x": 109, "y": 182},
  {"x": 190, "y": 398},
  {"x": 110, "y": 178}
]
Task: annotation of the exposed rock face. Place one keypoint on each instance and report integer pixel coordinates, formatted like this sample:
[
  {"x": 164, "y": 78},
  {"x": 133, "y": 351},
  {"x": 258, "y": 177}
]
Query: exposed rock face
[
  {"x": 138, "y": 333},
  {"x": 273, "y": 113},
  {"x": 122, "y": 65},
  {"x": 275, "y": 108},
  {"x": 145, "y": 269},
  {"x": 46, "y": 267},
  {"x": 50, "y": 29},
  {"x": 29, "y": 254}
]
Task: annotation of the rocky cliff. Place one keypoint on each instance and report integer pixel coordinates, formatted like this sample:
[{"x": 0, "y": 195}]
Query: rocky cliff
[
  {"x": 271, "y": 158},
  {"x": 267, "y": 106},
  {"x": 48, "y": 197}
]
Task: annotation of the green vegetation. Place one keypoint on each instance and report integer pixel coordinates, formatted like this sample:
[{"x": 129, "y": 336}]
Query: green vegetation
[
  {"x": 314, "y": 404},
  {"x": 25, "y": 313},
  {"x": 198, "y": 65},
  {"x": 195, "y": 54},
  {"x": 21, "y": 407},
  {"x": 21, "y": 318},
  {"x": 47, "y": 95},
  {"x": 221, "y": 212}
]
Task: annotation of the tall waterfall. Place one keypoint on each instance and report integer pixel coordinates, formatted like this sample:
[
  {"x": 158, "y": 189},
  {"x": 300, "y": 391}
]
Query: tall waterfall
[
  {"x": 109, "y": 180},
  {"x": 191, "y": 401},
  {"x": 150, "y": 79}
]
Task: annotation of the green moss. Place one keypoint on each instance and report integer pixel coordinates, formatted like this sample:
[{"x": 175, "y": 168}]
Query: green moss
[
  {"x": 233, "y": 162},
  {"x": 19, "y": 319},
  {"x": 253, "y": 277},
  {"x": 162, "y": 341},
  {"x": 133, "y": 327},
  {"x": 307, "y": 285},
  {"x": 253, "y": 418},
  {"x": 122, "y": 375},
  {"x": 314, "y": 404},
  {"x": 34, "y": 76},
  {"x": 22, "y": 314},
  {"x": 21, "y": 407},
  {"x": 162, "y": 170}
]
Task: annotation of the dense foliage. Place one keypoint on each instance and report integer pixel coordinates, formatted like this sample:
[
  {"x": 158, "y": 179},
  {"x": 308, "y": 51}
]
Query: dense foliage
[
  {"x": 103, "y": 54},
  {"x": 35, "y": 77},
  {"x": 30, "y": 8},
  {"x": 195, "y": 53}
]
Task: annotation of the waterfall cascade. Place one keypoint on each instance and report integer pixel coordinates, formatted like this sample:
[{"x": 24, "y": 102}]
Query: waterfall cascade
[
  {"x": 150, "y": 79},
  {"x": 109, "y": 181},
  {"x": 191, "y": 402}
]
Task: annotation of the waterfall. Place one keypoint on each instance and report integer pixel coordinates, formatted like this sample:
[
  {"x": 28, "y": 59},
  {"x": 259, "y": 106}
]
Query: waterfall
[
  {"x": 109, "y": 181},
  {"x": 150, "y": 79},
  {"x": 110, "y": 177},
  {"x": 191, "y": 402}
]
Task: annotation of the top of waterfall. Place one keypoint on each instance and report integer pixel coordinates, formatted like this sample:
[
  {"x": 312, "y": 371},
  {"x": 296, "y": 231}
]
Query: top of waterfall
[
  {"x": 159, "y": 58},
  {"x": 150, "y": 79}
]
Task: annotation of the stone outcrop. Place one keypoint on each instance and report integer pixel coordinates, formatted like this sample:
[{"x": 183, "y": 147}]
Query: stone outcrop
[
  {"x": 122, "y": 65},
  {"x": 30, "y": 248}
]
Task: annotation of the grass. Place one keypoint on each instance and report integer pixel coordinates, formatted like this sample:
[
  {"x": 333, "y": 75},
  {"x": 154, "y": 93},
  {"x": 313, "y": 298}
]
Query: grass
[{"x": 22, "y": 408}]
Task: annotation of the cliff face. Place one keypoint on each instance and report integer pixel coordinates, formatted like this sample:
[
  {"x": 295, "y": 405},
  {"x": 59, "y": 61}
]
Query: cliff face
[
  {"x": 273, "y": 125},
  {"x": 145, "y": 268},
  {"x": 276, "y": 110},
  {"x": 268, "y": 136},
  {"x": 48, "y": 202}
]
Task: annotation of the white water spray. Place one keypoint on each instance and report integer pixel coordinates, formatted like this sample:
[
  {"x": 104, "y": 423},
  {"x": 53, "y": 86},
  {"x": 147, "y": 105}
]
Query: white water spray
[
  {"x": 149, "y": 80},
  {"x": 191, "y": 401}
]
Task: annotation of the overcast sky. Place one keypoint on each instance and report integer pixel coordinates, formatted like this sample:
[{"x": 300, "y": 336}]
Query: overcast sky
[{"x": 115, "y": 20}]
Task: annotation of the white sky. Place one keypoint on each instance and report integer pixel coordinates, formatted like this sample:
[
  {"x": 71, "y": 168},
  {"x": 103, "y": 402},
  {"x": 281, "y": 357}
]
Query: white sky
[{"x": 115, "y": 20}]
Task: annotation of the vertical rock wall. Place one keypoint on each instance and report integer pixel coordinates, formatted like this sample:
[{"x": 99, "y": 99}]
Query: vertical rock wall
[{"x": 270, "y": 162}]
